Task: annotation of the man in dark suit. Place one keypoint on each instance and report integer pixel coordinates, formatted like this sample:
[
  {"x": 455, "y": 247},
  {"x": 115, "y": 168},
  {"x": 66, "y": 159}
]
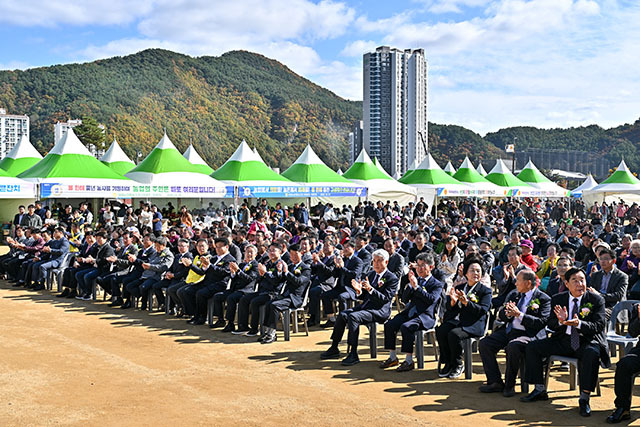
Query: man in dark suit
[
  {"x": 82, "y": 262},
  {"x": 396, "y": 261},
  {"x": 17, "y": 218},
  {"x": 610, "y": 282},
  {"x": 217, "y": 273},
  {"x": 347, "y": 268},
  {"x": 523, "y": 317},
  {"x": 53, "y": 253},
  {"x": 377, "y": 292},
  {"x": 626, "y": 370},
  {"x": 243, "y": 281},
  {"x": 421, "y": 297},
  {"x": 121, "y": 267},
  {"x": 176, "y": 274},
  {"x": 322, "y": 278},
  {"x": 578, "y": 323},
  {"x": 298, "y": 277},
  {"x": 362, "y": 252},
  {"x": 102, "y": 266}
]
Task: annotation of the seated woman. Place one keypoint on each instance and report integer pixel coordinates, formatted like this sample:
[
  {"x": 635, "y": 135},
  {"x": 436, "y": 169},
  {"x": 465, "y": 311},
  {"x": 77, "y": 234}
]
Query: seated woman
[{"x": 465, "y": 316}]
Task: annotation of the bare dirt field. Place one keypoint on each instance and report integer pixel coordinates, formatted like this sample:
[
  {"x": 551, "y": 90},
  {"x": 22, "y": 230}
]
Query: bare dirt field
[{"x": 70, "y": 362}]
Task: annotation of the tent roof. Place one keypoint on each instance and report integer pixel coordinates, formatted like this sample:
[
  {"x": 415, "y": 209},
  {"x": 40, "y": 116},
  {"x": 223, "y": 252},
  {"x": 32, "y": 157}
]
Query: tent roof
[
  {"x": 429, "y": 172},
  {"x": 363, "y": 169},
  {"x": 164, "y": 158},
  {"x": 467, "y": 173},
  {"x": 530, "y": 174},
  {"x": 308, "y": 168},
  {"x": 481, "y": 170},
  {"x": 449, "y": 168},
  {"x": 379, "y": 166},
  {"x": 246, "y": 166},
  {"x": 588, "y": 184},
  {"x": 622, "y": 175},
  {"x": 194, "y": 158},
  {"x": 22, "y": 156},
  {"x": 115, "y": 154},
  {"x": 502, "y": 176},
  {"x": 69, "y": 158},
  {"x": 255, "y": 151}
]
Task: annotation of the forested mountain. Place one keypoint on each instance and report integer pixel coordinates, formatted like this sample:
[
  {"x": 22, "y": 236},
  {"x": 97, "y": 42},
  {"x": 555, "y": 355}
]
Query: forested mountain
[{"x": 215, "y": 102}]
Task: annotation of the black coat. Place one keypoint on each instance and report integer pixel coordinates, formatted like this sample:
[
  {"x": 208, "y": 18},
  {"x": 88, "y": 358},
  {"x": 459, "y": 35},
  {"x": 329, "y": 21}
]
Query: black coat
[
  {"x": 298, "y": 279},
  {"x": 378, "y": 300},
  {"x": 425, "y": 299},
  {"x": 473, "y": 316},
  {"x": 245, "y": 279}
]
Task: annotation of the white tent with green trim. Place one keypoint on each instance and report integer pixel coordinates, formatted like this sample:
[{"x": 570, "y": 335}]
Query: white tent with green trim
[
  {"x": 69, "y": 170},
  {"x": 194, "y": 158},
  {"x": 430, "y": 180},
  {"x": 449, "y": 169},
  {"x": 22, "y": 156},
  {"x": 246, "y": 168},
  {"x": 380, "y": 186},
  {"x": 481, "y": 170},
  {"x": 379, "y": 166},
  {"x": 620, "y": 182},
  {"x": 116, "y": 159},
  {"x": 167, "y": 171},
  {"x": 501, "y": 176},
  {"x": 255, "y": 150},
  {"x": 308, "y": 169},
  {"x": 546, "y": 188},
  {"x": 468, "y": 175}
]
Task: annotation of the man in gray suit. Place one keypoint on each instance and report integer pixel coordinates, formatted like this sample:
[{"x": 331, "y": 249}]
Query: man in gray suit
[{"x": 610, "y": 282}]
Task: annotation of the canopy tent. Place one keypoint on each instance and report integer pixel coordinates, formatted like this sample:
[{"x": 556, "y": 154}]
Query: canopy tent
[
  {"x": 380, "y": 186},
  {"x": 117, "y": 159},
  {"x": 469, "y": 175},
  {"x": 339, "y": 172},
  {"x": 22, "y": 156},
  {"x": 255, "y": 150},
  {"x": 15, "y": 188},
  {"x": 449, "y": 169},
  {"x": 620, "y": 182},
  {"x": 379, "y": 166},
  {"x": 502, "y": 176},
  {"x": 481, "y": 170},
  {"x": 587, "y": 185},
  {"x": 310, "y": 171},
  {"x": 194, "y": 158},
  {"x": 546, "y": 188},
  {"x": 431, "y": 181},
  {"x": 70, "y": 171},
  {"x": 166, "y": 172},
  {"x": 246, "y": 170}
]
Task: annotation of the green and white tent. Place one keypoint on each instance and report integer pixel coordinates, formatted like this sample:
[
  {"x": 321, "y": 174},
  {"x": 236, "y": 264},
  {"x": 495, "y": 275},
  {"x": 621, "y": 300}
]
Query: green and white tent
[
  {"x": 380, "y": 186},
  {"x": 255, "y": 150},
  {"x": 117, "y": 159},
  {"x": 620, "y": 182},
  {"x": 194, "y": 158},
  {"x": 246, "y": 168},
  {"x": 481, "y": 170},
  {"x": 379, "y": 166},
  {"x": 308, "y": 169},
  {"x": 502, "y": 176},
  {"x": 22, "y": 156},
  {"x": 69, "y": 170},
  {"x": 469, "y": 175},
  {"x": 430, "y": 180},
  {"x": 449, "y": 169},
  {"x": 546, "y": 188},
  {"x": 166, "y": 173}
]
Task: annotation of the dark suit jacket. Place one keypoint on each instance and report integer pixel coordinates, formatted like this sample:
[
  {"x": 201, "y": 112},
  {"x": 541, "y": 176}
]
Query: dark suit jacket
[
  {"x": 178, "y": 268},
  {"x": 593, "y": 326},
  {"x": 271, "y": 282},
  {"x": 245, "y": 279},
  {"x": 553, "y": 287},
  {"x": 218, "y": 271},
  {"x": 396, "y": 265},
  {"x": 366, "y": 258},
  {"x": 104, "y": 252},
  {"x": 352, "y": 270},
  {"x": 617, "y": 288},
  {"x": 534, "y": 320},
  {"x": 298, "y": 280},
  {"x": 425, "y": 299},
  {"x": 473, "y": 316},
  {"x": 379, "y": 300},
  {"x": 322, "y": 273}
]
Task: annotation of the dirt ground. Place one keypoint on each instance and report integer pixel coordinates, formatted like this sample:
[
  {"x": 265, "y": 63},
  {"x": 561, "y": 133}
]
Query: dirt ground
[{"x": 70, "y": 362}]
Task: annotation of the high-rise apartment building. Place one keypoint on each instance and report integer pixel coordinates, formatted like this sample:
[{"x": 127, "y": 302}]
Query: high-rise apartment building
[
  {"x": 12, "y": 127},
  {"x": 355, "y": 141},
  {"x": 395, "y": 107}
]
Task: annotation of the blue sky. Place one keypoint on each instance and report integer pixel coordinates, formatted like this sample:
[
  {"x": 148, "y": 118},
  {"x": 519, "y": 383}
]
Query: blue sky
[{"x": 492, "y": 64}]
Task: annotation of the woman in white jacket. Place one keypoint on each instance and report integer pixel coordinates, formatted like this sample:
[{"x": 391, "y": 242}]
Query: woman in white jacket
[{"x": 451, "y": 256}]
